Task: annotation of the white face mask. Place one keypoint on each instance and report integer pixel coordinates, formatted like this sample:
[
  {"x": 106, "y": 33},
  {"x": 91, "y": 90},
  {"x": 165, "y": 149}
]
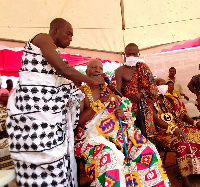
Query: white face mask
[
  {"x": 131, "y": 61},
  {"x": 162, "y": 89}
]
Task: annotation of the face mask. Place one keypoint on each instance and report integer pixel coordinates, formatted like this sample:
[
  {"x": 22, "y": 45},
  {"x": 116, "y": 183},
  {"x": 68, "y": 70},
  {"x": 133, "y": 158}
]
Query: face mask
[
  {"x": 162, "y": 89},
  {"x": 131, "y": 61}
]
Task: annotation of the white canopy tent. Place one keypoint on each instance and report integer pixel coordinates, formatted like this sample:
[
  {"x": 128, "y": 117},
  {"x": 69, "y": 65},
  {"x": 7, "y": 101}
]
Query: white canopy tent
[{"x": 104, "y": 25}]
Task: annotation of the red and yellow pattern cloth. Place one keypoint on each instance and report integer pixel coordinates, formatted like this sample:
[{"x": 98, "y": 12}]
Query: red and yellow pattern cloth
[
  {"x": 187, "y": 153},
  {"x": 143, "y": 81}
]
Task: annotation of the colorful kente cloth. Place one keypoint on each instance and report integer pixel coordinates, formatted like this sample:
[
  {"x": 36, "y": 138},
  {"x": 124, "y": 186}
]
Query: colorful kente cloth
[
  {"x": 3, "y": 128},
  {"x": 5, "y": 159},
  {"x": 100, "y": 144},
  {"x": 187, "y": 153},
  {"x": 3, "y": 115},
  {"x": 143, "y": 81},
  {"x": 41, "y": 116}
]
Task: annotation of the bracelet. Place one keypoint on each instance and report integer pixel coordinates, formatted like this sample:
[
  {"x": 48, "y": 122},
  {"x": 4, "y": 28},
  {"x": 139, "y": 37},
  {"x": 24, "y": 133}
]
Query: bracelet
[
  {"x": 171, "y": 128},
  {"x": 195, "y": 123},
  {"x": 97, "y": 106}
]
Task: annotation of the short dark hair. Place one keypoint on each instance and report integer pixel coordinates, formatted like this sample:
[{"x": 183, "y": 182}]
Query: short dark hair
[
  {"x": 58, "y": 23},
  {"x": 9, "y": 80},
  {"x": 131, "y": 44},
  {"x": 169, "y": 82},
  {"x": 172, "y": 68}
]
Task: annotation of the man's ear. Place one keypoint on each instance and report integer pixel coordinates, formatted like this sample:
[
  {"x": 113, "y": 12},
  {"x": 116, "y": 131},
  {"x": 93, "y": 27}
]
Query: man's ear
[{"x": 56, "y": 30}]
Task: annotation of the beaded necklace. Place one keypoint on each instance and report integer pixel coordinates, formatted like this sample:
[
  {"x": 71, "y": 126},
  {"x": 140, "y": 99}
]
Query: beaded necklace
[
  {"x": 165, "y": 116},
  {"x": 88, "y": 92}
]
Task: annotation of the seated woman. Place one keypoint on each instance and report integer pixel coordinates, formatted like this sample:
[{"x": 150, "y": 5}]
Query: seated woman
[
  {"x": 100, "y": 140},
  {"x": 177, "y": 130}
]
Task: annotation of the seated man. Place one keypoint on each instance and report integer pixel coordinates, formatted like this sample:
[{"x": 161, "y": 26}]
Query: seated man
[
  {"x": 100, "y": 141},
  {"x": 177, "y": 130}
]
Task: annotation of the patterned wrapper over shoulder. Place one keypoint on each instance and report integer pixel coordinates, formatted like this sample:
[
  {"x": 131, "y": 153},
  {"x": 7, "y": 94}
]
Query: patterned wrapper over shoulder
[
  {"x": 41, "y": 115},
  {"x": 99, "y": 142},
  {"x": 143, "y": 81},
  {"x": 187, "y": 153}
]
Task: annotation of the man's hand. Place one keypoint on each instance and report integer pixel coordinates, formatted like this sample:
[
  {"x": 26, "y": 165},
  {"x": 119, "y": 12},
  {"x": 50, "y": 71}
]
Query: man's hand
[
  {"x": 97, "y": 80},
  {"x": 112, "y": 87},
  {"x": 137, "y": 96},
  {"x": 186, "y": 97},
  {"x": 198, "y": 125},
  {"x": 180, "y": 134},
  {"x": 108, "y": 98},
  {"x": 119, "y": 113}
]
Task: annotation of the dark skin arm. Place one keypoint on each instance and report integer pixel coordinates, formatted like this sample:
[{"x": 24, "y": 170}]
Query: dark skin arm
[
  {"x": 47, "y": 46},
  {"x": 118, "y": 77},
  {"x": 186, "y": 97},
  {"x": 119, "y": 113},
  {"x": 189, "y": 120},
  {"x": 191, "y": 88}
]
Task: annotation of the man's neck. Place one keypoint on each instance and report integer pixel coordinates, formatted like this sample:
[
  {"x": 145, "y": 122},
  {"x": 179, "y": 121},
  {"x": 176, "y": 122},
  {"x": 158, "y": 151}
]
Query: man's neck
[
  {"x": 9, "y": 89},
  {"x": 93, "y": 86},
  {"x": 170, "y": 92},
  {"x": 172, "y": 77}
]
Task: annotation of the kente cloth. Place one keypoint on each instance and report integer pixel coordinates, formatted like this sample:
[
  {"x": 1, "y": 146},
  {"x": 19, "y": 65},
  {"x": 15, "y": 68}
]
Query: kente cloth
[
  {"x": 41, "y": 115},
  {"x": 187, "y": 153},
  {"x": 3, "y": 115},
  {"x": 143, "y": 81},
  {"x": 5, "y": 159},
  {"x": 100, "y": 143}
]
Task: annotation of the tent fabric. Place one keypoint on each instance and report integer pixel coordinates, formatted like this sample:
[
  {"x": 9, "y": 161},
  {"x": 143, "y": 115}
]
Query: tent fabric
[
  {"x": 98, "y": 24},
  {"x": 10, "y": 61},
  {"x": 187, "y": 44},
  {"x": 186, "y": 62}
]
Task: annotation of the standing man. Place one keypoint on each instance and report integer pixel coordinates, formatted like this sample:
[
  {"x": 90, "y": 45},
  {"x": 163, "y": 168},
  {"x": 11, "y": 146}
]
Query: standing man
[
  {"x": 136, "y": 82},
  {"x": 194, "y": 87},
  {"x": 43, "y": 109},
  {"x": 177, "y": 86}
]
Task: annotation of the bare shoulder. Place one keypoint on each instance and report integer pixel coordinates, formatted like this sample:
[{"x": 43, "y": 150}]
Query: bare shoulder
[
  {"x": 119, "y": 70},
  {"x": 43, "y": 39}
]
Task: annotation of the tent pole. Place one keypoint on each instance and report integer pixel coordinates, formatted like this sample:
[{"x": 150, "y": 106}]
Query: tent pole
[
  {"x": 122, "y": 13},
  {"x": 123, "y": 21}
]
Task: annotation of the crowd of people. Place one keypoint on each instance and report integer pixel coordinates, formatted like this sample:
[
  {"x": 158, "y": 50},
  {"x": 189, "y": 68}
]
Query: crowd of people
[{"x": 53, "y": 118}]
